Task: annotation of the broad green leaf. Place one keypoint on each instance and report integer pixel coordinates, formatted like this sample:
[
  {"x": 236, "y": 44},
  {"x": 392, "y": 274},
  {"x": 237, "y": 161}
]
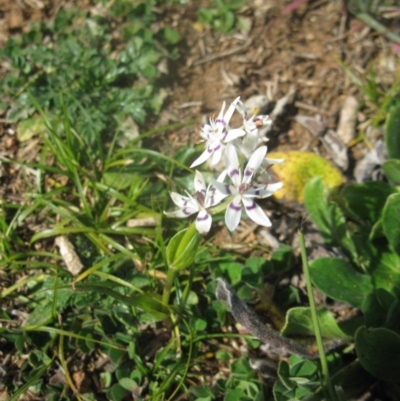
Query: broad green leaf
[
  {"x": 338, "y": 280},
  {"x": 326, "y": 215},
  {"x": 299, "y": 321},
  {"x": 182, "y": 248},
  {"x": 392, "y": 134},
  {"x": 353, "y": 379},
  {"x": 376, "y": 307},
  {"x": 298, "y": 169},
  {"x": 391, "y": 169},
  {"x": 366, "y": 201},
  {"x": 379, "y": 352},
  {"x": 385, "y": 270},
  {"x": 391, "y": 221}
]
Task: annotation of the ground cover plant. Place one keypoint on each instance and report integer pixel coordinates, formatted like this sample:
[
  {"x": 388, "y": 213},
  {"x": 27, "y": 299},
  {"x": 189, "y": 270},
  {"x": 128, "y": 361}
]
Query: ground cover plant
[{"x": 113, "y": 286}]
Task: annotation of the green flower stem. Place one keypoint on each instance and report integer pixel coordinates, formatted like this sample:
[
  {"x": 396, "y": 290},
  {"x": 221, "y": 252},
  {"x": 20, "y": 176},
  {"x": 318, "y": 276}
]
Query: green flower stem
[
  {"x": 317, "y": 331},
  {"x": 168, "y": 286}
]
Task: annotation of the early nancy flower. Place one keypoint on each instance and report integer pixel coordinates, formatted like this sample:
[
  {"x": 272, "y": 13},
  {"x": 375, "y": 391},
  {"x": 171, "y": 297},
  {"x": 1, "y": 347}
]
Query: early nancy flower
[
  {"x": 254, "y": 126},
  {"x": 217, "y": 134},
  {"x": 202, "y": 199},
  {"x": 244, "y": 190}
]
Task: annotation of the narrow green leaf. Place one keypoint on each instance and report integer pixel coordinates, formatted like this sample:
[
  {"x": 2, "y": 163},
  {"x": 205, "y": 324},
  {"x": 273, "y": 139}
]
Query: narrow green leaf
[
  {"x": 149, "y": 302},
  {"x": 35, "y": 376}
]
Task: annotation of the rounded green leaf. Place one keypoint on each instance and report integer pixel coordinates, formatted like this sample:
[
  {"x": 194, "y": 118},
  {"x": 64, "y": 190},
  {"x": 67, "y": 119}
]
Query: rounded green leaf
[
  {"x": 182, "y": 248},
  {"x": 128, "y": 384},
  {"x": 379, "y": 352},
  {"x": 392, "y": 135},
  {"x": 338, "y": 280},
  {"x": 391, "y": 168},
  {"x": 117, "y": 393},
  {"x": 299, "y": 321},
  {"x": 391, "y": 221}
]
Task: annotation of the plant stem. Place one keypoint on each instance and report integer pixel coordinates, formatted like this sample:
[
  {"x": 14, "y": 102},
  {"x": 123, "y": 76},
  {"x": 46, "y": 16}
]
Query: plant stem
[
  {"x": 168, "y": 286},
  {"x": 313, "y": 309}
]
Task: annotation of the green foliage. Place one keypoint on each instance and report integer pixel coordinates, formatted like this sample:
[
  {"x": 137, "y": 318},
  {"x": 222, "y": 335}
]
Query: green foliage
[
  {"x": 182, "y": 248},
  {"x": 79, "y": 83},
  {"x": 350, "y": 286},
  {"x": 392, "y": 134},
  {"x": 298, "y": 322},
  {"x": 385, "y": 363},
  {"x": 366, "y": 215},
  {"x": 297, "y": 379},
  {"x": 222, "y": 16},
  {"x": 105, "y": 80}
]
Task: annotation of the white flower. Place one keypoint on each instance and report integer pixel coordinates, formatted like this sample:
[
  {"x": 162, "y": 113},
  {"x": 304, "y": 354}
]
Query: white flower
[
  {"x": 217, "y": 134},
  {"x": 252, "y": 126},
  {"x": 202, "y": 199},
  {"x": 243, "y": 189}
]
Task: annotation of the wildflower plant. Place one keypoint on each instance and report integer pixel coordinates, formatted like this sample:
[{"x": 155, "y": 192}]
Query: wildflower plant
[
  {"x": 234, "y": 147},
  {"x": 243, "y": 156}
]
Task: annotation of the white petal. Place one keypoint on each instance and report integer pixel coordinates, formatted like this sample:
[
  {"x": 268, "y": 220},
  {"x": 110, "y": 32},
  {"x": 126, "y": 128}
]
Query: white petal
[
  {"x": 232, "y": 134},
  {"x": 241, "y": 108},
  {"x": 207, "y": 132},
  {"x": 233, "y": 213},
  {"x": 202, "y": 158},
  {"x": 258, "y": 191},
  {"x": 178, "y": 199},
  {"x": 225, "y": 189},
  {"x": 181, "y": 213},
  {"x": 221, "y": 113},
  {"x": 250, "y": 143},
  {"x": 232, "y": 165},
  {"x": 229, "y": 113},
  {"x": 199, "y": 182},
  {"x": 254, "y": 164},
  {"x": 203, "y": 222},
  {"x": 222, "y": 176},
  {"x": 213, "y": 196},
  {"x": 275, "y": 186},
  {"x": 256, "y": 213},
  {"x": 267, "y": 161},
  {"x": 217, "y": 154}
]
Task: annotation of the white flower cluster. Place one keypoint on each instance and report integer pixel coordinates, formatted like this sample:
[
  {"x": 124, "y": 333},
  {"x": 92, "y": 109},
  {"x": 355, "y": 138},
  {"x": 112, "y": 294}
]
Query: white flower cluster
[{"x": 242, "y": 189}]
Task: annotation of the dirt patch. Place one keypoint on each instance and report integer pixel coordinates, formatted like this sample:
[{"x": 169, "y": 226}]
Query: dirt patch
[{"x": 297, "y": 49}]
